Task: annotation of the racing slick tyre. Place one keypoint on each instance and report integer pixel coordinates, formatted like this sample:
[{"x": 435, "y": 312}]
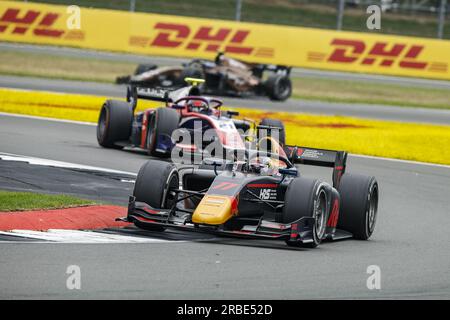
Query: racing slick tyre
[
  {"x": 306, "y": 197},
  {"x": 161, "y": 125},
  {"x": 153, "y": 186},
  {"x": 114, "y": 123},
  {"x": 359, "y": 205},
  {"x": 144, "y": 68},
  {"x": 275, "y": 123},
  {"x": 278, "y": 87}
]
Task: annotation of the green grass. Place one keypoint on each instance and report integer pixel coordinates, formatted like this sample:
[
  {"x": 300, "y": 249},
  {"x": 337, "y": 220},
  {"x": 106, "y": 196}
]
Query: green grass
[
  {"x": 60, "y": 67},
  {"x": 316, "y": 14},
  {"x": 20, "y": 201},
  {"x": 349, "y": 91}
]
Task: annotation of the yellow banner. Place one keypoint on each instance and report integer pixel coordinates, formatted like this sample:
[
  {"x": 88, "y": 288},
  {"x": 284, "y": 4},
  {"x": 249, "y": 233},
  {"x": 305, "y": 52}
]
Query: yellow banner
[{"x": 155, "y": 34}]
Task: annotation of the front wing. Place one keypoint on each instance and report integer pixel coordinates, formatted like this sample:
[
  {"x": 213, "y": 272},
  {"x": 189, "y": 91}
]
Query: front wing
[{"x": 142, "y": 214}]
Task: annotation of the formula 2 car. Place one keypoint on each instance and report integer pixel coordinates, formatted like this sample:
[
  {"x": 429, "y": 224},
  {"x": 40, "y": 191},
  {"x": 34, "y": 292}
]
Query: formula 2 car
[
  {"x": 224, "y": 76},
  {"x": 262, "y": 197},
  {"x": 184, "y": 110}
]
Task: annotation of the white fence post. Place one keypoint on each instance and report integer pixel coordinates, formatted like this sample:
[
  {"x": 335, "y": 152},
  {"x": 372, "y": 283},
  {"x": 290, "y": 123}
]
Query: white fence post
[
  {"x": 340, "y": 14},
  {"x": 441, "y": 22},
  {"x": 238, "y": 10}
]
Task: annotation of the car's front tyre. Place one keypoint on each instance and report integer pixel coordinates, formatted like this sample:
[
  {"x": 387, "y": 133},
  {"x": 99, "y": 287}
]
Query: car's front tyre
[
  {"x": 154, "y": 185},
  {"x": 306, "y": 197},
  {"x": 359, "y": 205}
]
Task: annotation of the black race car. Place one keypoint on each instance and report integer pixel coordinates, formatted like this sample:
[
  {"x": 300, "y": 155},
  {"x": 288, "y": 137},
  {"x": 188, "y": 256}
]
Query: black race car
[
  {"x": 223, "y": 76},
  {"x": 262, "y": 196}
]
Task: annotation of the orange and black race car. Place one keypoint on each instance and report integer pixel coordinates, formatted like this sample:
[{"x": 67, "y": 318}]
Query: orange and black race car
[
  {"x": 223, "y": 76},
  {"x": 262, "y": 196}
]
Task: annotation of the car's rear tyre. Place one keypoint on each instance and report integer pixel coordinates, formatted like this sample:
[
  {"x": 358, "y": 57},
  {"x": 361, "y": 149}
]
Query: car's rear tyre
[
  {"x": 274, "y": 123},
  {"x": 161, "y": 125},
  {"x": 144, "y": 67},
  {"x": 153, "y": 186},
  {"x": 278, "y": 87},
  {"x": 359, "y": 205},
  {"x": 306, "y": 197},
  {"x": 114, "y": 123}
]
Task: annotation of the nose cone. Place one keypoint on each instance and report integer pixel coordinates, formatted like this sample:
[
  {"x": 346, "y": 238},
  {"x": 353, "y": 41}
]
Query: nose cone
[{"x": 214, "y": 210}]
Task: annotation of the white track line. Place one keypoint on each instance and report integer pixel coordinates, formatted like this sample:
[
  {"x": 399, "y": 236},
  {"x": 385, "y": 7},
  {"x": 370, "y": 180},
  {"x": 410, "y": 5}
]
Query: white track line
[
  {"x": 76, "y": 236},
  {"x": 58, "y": 164}
]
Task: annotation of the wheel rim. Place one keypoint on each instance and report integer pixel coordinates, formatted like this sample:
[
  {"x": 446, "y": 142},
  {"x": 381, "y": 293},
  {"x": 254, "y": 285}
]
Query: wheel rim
[
  {"x": 150, "y": 134},
  {"x": 102, "y": 126},
  {"x": 372, "y": 209},
  {"x": 149, "y": 140},
  {"x": 284, "y": 88},
  {"x": 320, "y": 214}
]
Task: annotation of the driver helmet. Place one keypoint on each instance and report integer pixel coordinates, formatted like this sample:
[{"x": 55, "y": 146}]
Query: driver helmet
[
  {"x": 197, "y": 105},
  {"x": 265, "y": 166}
]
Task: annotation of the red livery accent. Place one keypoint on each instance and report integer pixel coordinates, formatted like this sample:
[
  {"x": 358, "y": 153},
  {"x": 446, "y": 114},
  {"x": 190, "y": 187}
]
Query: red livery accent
[
  {"x": 262, "y": 185},
  {"x": 333, "y": 219},
  {"x": 224, "y": 186}
]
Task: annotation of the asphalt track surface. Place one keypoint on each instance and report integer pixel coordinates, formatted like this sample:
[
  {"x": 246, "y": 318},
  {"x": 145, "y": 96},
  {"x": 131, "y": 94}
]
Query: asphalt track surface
[
  {"x": 381, "y": 112},
  {"x": 95, "y": 185},
  {"x": 410, "y": 243}
]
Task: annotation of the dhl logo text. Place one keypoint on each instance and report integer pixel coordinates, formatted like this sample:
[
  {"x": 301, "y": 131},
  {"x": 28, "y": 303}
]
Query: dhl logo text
[
  {"x": 204, "y": 38},
  {"x": 379, "y": 54},
  {"x": 40, "y": 24}
]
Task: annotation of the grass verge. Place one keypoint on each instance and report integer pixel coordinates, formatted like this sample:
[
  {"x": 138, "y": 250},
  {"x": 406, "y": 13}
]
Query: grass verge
[
  {"x": 409, "y": 141},
  {"x": 348, "y": 91},
  {"x": 21, "y": 201},
  {"x": 58, "y": 67}
]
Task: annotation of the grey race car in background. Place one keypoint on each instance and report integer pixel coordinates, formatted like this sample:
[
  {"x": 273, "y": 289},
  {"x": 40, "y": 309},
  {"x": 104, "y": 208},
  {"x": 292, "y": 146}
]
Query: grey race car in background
[{"x": 223, "y": 76}]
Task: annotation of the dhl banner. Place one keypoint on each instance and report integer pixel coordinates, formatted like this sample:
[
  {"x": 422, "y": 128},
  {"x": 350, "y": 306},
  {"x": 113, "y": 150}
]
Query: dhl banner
[{"x": 155, "y": 34}]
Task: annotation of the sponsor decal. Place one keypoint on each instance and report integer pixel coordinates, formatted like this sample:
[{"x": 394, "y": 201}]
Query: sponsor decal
[
  {"x": 267, "y": 191},
  {"x": 268, "y": 194},
  {"x": 379, "y": 54},
  {"x": 310, "y": 153},
  {"x": 151, "y": 92},
  {"x": 35, "y": 22},
  {"x": 202, "y": 38}
]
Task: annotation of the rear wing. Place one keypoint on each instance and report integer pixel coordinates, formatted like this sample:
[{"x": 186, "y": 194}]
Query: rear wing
[{"x": 319, "y": 157}]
